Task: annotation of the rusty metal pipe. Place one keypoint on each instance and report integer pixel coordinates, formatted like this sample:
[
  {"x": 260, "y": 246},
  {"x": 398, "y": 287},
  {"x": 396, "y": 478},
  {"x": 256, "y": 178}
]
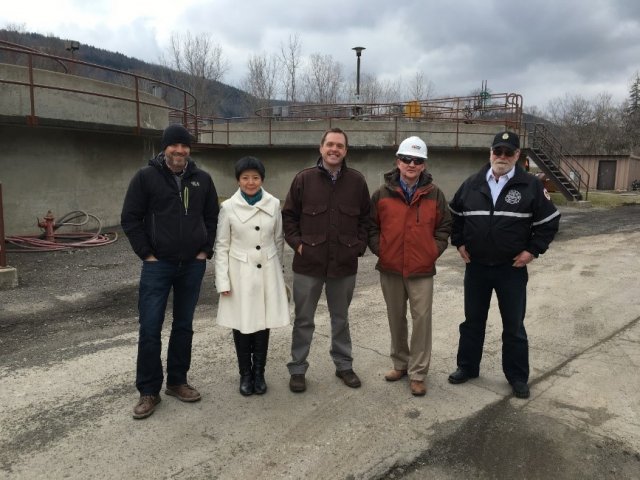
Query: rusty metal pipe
[{"x": 3, "y": 251}]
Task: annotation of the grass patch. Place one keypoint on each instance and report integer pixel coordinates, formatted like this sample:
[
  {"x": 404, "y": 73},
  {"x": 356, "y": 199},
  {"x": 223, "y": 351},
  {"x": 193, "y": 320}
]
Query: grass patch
[{"x": 602, "y": 199}]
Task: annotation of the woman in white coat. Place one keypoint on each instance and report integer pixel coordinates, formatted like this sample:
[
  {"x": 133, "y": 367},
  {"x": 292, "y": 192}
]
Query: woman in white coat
[{"x": 248, "y": 271}]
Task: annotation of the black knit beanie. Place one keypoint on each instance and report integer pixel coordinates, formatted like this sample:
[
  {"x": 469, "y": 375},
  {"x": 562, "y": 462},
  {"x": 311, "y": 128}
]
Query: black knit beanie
[{"x": 175, "y": 134}]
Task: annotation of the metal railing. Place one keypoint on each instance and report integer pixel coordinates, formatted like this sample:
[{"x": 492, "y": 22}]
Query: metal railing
[
  {"x": 503, "y": 109},
  {"x": 436, "y": 115},
  {"x": 543, "y": 140},
  {"x": 177, "y": 101}
]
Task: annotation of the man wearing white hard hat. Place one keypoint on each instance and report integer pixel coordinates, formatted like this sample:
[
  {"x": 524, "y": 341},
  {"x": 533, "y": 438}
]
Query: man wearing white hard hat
[{"x": 410, "y": 229}]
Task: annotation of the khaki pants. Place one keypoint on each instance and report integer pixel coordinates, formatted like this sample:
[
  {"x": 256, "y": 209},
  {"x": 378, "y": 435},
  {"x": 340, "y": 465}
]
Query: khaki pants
[{"x": 413, "y": 357}]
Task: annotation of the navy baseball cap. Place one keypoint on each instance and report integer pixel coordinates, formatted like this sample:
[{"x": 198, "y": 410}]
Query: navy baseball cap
[{"x": 506, "y": 139}]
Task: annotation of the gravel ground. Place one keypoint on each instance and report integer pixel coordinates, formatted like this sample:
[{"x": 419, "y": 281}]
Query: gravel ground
[{"x": 70, "y": 301}]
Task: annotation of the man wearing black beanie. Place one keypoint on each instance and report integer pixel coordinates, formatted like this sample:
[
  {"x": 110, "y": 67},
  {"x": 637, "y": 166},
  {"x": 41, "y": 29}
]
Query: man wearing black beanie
[{"x": 170, "y": 215}]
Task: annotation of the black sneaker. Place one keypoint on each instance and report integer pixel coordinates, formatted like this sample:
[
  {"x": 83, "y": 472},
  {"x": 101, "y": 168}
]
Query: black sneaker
[
  {"x": 520, "y": 389},
  {"x": 297, "y": 383},
  {"x": 460, "y": 376}
]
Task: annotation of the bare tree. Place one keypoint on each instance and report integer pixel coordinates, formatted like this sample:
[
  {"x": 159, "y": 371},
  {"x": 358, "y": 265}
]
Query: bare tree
[
  {"x": 322, "y": 81},
  {"x": 373, "y": 90},
  {"x": 261, "y": 80},
  {"x": 586, "y": 126},
  {"x": 201, "y": 62},
  {"x": 420, "y": 87},
  {"x": 290, "y": 58}
]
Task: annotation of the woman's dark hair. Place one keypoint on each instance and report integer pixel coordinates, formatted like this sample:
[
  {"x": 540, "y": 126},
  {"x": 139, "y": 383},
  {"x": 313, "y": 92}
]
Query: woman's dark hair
[{"x": 249, "y": 163}]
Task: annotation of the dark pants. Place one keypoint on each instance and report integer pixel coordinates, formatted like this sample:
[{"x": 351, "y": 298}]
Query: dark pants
[
  {"x": 510, "y": 285},
  {"x": 156, "y": 281}
]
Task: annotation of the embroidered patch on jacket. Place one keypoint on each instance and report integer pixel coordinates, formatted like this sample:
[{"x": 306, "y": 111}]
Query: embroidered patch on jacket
[
  {"x": 513, "y": 197},
  {"x": 195, "y": 183},
  {"x": 546, "y": 194}
]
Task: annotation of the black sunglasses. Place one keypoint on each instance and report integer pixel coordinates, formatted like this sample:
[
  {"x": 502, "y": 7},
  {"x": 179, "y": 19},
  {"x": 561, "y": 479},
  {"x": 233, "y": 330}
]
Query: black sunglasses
[
  {"x": 507, "y": 152},
  {"x": 407, "y": 160}
]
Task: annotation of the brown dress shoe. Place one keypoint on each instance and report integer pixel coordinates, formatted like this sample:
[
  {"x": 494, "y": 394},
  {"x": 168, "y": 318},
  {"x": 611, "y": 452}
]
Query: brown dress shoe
[
  {"x": 394, "y": 375},
  {"x": 349, "y": 378},
  {"x": 184, "y": 392},
  {"x": 417, "y": 388},
  {"x": 146, "y": 406}
]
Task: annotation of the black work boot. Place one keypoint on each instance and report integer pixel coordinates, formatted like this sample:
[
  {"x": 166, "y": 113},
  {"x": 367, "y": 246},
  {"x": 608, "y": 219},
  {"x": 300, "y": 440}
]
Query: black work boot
[
  {"x": 243, "y": 350},
  {"x": 260, "y": 348}
]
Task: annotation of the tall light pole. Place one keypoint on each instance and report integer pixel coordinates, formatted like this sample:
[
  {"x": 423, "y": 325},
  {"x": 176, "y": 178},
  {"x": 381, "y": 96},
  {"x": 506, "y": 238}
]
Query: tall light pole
[{"x": 358, "y": 53}]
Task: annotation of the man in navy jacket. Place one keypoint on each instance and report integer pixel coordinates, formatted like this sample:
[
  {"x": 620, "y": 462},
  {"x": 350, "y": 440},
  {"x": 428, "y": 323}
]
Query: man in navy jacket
[{"x": 503, "y": 218}]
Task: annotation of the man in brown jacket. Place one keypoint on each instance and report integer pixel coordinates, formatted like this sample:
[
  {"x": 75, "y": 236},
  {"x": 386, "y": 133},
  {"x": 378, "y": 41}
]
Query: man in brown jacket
[
  {"x": 410, "y": 229},
  {"x": 325, "y": 220}
]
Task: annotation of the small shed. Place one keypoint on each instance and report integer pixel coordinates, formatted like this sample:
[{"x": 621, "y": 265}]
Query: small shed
[{"x": 609, "y": 172}]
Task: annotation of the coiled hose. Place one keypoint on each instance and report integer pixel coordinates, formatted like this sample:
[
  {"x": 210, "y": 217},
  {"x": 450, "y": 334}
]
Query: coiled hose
[{"x": 64, "y": 241}]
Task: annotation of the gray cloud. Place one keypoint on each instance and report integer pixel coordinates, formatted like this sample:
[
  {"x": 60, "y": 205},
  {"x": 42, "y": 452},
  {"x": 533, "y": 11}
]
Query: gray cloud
[{"x": 541, "y": 49}]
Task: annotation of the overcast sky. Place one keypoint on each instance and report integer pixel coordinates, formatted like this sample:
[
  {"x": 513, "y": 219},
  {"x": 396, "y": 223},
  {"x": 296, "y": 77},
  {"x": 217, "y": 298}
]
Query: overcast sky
[{"x": 540, "y": 49}]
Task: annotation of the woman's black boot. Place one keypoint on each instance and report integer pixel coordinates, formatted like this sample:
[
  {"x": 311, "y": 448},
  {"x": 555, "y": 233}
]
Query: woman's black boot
[
  {"x": 243, "y": 350},
  {"x": 260, "y": 348}
]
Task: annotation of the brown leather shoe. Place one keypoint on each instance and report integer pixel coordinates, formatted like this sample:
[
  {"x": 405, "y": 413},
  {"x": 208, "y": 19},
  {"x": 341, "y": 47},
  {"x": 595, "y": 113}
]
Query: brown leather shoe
[
  {"x": 349, "y": 378},
  {"x": 184, "y": 392},
  {"x": 146, "y": 406},
  {"x": 417, "y": 388},
  {"x": 394, "y": 375}
]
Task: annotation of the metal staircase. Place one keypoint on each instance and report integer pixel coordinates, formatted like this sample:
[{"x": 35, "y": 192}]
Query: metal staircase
[{"x": 569, "y": 177}]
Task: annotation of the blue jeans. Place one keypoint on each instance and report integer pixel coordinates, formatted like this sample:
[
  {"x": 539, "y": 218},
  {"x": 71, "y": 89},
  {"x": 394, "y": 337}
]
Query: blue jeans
[{"x": 156, "y": 280}]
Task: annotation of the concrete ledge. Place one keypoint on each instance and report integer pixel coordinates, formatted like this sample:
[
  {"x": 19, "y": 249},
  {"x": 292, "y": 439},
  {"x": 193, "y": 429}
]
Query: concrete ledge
[
  {"x": 8, "y": 278},
  {"x": 583, "y": 204}
]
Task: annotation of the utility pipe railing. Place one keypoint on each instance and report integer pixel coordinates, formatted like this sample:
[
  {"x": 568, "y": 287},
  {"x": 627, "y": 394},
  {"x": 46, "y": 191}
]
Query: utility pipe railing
[{"x": 3, "y": 245}]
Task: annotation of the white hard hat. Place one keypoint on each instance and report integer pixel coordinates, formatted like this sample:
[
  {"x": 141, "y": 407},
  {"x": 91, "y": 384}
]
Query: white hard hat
[{"x": 413, "y": 147}]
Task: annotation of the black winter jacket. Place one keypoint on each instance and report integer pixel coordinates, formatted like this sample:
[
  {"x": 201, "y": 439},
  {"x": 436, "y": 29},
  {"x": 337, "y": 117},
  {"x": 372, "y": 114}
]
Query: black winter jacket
[
  {"x": 163, "y": 221},
  {"x": 524, "y": 218}
]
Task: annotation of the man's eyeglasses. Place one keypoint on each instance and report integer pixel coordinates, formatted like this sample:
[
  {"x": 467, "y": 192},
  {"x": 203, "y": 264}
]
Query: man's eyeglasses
[
  {"x": 507, "y": 152},
  {"x": 407, "y": 160}
]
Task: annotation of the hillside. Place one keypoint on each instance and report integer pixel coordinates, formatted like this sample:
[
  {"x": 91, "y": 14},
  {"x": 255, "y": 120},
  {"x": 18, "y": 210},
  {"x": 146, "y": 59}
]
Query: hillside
[{"x": 229, "y": 101}]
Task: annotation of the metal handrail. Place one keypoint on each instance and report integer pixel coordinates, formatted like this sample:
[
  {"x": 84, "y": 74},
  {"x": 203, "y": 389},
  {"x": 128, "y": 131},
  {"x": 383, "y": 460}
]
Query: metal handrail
[
  {"x": 503, "y": 107},
  {"x": 498, "y": 109},
  {"x": 187, "y": 110},
  {"x": 545, "y": 141}
]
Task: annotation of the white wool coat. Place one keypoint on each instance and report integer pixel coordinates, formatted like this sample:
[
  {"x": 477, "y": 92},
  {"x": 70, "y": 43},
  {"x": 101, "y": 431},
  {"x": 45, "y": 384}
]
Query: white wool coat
[{"x": 248, "y": 263}]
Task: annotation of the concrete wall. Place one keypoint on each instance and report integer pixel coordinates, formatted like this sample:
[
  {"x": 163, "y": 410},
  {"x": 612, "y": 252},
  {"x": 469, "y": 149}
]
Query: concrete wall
[
  {"x": 361, "y": 133},
  {"x": 62, "y": 171},
  {"x": 448, "y": 167}
]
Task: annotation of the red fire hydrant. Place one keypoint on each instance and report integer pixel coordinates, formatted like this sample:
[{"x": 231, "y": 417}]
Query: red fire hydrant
[{"x": 48, "y": 223}]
